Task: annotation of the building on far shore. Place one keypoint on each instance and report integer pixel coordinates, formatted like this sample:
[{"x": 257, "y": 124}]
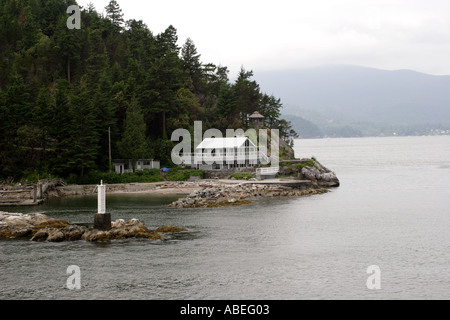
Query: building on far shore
[
  {"x": 122, "y": 166},
  {"x": 226, "y": 153}
]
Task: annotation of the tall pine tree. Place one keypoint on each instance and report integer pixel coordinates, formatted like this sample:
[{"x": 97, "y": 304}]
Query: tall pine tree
[
  {"x": 114, "y": 13},
  {"x": 83, "y": 146},
  {"x": 134, "y": 144}
]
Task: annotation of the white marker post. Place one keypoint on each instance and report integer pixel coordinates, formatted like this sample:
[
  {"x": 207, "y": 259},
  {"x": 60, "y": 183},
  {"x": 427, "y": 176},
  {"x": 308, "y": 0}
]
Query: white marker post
[
  {"x": 102, "y": 220},
  {"x": 101, "y": 189}
]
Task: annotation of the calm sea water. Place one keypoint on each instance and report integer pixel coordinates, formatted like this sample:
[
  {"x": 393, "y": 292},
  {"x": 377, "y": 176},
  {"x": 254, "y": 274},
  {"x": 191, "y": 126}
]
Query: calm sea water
[{"x": 392, "y": 210}]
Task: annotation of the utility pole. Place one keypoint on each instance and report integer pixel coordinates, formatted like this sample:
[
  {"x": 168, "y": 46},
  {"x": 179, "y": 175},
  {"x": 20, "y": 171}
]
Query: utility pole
[{"x": 110, "y": 160}]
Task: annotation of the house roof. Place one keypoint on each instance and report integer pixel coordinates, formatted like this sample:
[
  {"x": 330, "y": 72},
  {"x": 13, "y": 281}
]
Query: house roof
[
  {"x": 221, "y": 143},
  {"x": 128, "y": 160},
  {"x": 256, "y": 115}
]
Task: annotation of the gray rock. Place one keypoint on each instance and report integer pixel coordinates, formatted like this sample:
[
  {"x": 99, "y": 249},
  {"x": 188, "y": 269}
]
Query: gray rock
[
  {"x": 56, "y": 235},
  {"x": 40, "y": 235}
]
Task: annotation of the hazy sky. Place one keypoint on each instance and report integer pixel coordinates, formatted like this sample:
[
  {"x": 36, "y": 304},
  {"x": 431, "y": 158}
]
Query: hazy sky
[{"x": 264, "y": 35}]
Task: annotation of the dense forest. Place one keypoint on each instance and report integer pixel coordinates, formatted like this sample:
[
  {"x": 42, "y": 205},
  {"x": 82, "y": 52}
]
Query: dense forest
[{"x": 62, "y": 90}]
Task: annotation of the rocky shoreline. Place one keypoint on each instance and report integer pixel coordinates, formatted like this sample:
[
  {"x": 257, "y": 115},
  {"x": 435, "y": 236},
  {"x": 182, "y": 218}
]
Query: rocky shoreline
[
  {"x": 306, "y": 177},
  {"x": 226, "y": 195},
  {"x": 299, "y": 177},
  {"x": 39, "y": 227}
]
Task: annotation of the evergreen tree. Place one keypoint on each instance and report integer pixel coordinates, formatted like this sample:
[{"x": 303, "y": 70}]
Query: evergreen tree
[
  {"x": 30, "y": 28},
  {"x": 226, "y": 107},
  {"x": 247, "y": 95},
  {"x": 141, "y": 46},
  {"x": 192, "y": 64},
  {"x": 134, "y": 144},
  {"x": 271, "y": 109},
  {"x": 114, "y": 13},
  {"x": 83, "y": 143},
  {"x": 43, "y": 115},
  {"x": 97, "y": 63},
  {"x": 60, "y": 130},
  {"x": 105, "y": 115},
  {"x": 163, "y": 80},
  {"x": 6, "y": 145},
  {"x": 61, "y": 89},
  {"x": 51, "y": 12},
  {"x": 17, "y": 101},
  {"x": 67, "y": 45}
]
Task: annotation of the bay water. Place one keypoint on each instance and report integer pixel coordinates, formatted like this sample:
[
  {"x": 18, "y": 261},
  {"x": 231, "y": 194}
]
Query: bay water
[{"x": 392, "y": 211}]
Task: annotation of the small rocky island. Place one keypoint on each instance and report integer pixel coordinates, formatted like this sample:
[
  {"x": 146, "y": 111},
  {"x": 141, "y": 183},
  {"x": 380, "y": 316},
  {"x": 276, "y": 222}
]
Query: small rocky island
[{"x": 39, "y": 227}]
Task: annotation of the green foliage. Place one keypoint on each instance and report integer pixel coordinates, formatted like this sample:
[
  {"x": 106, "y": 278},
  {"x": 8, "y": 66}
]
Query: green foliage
[
  {"x": 94, "y": 177},
  {"x": 61, "y": 90},
  {"x": 309, "y": 163},
  {"x": 134, "y": 144},
  {"x": 141, "y": 176},
  {"x": 33, "y": 175},
  {"x": 179, "y": 174},
  {"x": 83, "y": 140},
  {"x": 114, "y": 13}
]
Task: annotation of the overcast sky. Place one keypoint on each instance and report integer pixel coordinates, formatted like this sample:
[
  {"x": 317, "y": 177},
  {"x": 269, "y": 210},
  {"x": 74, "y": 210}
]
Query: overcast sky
[{"x": 265, "y": 35}]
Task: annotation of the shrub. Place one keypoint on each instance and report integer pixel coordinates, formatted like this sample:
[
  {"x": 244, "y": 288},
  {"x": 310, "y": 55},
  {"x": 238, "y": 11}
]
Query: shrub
[
  {"x": 180, "y": 174},
  {"x": 94, "y": 177}
]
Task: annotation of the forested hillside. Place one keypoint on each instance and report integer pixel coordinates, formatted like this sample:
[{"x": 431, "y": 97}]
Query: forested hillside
[{"x": 61, "y": 90}]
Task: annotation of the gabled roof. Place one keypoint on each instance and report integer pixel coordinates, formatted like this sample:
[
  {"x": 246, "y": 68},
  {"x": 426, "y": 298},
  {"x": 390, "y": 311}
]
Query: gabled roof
[
  {"x": 128, "y": 160},
  {"x": 256, "y": 115},
  {"x": 221, "y": 143}
]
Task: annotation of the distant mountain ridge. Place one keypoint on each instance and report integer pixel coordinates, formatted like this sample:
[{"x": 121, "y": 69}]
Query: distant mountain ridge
[{"x": 344, "y": 95}]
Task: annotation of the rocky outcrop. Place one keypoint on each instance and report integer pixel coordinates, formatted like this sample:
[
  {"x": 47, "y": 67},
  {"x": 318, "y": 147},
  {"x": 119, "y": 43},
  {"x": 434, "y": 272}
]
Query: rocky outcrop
[
  {"x": 320, "y": 175},
  {"x": 242, "y": 194},
  {"x": 310, "y": 169},
  {"x": 134, "y": 228},
  {"x": 39, "y": 227}
]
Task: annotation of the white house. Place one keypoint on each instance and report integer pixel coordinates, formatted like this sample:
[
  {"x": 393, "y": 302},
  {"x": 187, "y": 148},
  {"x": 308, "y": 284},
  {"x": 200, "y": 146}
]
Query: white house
[
  {"x": 226, "y": 153},
  {"x": 124, "y": 166}
]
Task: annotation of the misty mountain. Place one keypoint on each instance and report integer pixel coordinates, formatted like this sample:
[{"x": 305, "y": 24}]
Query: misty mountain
[
  {"x": 361, "y": 98},
  {"x": 305, "y": 129}
]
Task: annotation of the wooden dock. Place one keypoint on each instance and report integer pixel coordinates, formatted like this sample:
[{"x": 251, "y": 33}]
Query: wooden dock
[{"x": 21, "y": 196}]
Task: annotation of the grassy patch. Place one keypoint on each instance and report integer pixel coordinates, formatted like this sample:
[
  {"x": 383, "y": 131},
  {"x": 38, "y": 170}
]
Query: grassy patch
[
  {"x": 309, "y": 163},
  {"x": 183, "y": 174}
]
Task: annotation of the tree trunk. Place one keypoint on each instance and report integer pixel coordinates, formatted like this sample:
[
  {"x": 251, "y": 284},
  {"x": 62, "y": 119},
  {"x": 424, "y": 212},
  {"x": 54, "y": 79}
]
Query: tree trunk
[
  {"x": 164, "y": 124},
  {"x": 68, "y": 70},
  {"x": 109, "y": 147}
]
